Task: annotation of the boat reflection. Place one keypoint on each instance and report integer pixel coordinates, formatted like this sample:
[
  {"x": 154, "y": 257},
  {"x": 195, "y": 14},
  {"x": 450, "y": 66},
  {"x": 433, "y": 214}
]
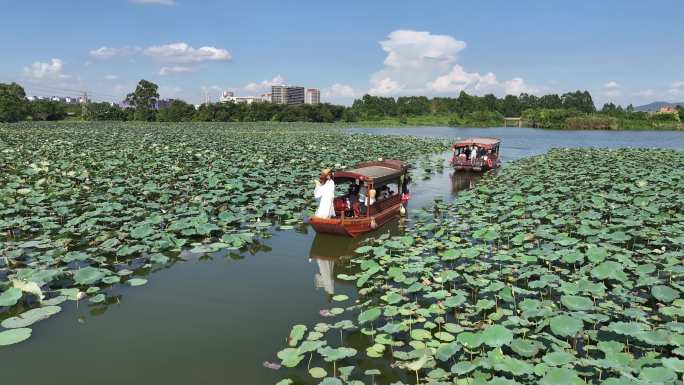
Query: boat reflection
[
  {"x": 461, "y": 181},
  {"x": 332, "y": 254}
]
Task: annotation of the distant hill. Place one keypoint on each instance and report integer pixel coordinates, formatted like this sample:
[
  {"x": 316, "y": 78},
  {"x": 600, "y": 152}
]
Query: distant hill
[{"x": 655, "y": 106}]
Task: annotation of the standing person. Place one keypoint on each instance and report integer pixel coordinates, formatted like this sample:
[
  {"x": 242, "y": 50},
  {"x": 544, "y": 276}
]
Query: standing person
[
  {"x": 405, "y": 194},
  {"x": 473, "y": 153},
  {"x": 325, "y": 191}
]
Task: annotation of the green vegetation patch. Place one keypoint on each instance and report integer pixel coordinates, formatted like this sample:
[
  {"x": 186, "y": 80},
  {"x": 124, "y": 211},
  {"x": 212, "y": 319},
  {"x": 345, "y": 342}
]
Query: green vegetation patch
[
  {"x": 87, "y": 206},
  {"x": 564, "y": 268}
]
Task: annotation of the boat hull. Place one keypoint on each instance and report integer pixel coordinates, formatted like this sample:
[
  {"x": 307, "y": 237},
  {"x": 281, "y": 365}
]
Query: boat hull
[{"x": 353, "y": 227}]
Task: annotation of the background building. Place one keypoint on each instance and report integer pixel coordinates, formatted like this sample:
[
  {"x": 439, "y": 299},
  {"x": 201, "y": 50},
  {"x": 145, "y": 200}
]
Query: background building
[
  {"x": 312, "y": 96},
  {"x": 229, "y": 96},
  {"x": 287, "y": 94}
]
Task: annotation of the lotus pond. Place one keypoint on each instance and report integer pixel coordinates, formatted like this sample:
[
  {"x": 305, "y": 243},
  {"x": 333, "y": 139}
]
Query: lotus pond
[
  {"x": 564, "y": 268},
  {"x": 215, "y": 306},
  {"x": 84, "y": 207}
]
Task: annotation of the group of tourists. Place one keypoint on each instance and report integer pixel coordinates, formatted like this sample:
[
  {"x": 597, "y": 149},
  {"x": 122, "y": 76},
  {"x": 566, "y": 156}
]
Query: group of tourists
[
  {"x": 472, "y": 153},
  {"x": 355, "y": 202}
]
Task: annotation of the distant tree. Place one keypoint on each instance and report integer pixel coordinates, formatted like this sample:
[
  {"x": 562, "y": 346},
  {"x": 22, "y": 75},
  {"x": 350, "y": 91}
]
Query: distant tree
[
  {"x": 578, "y": 100},
  {"x": 528, "y": 101},
  {"x": 680, "y": 111},
  {"x": 465, "y": 103},
  {"x": 551, "y": 101},
  {"x": 144, "y": 100},
  {"x": 47, "y": 110},
  {"x": 511, "y": 106},
  {"x": 630, "y": 108},
  {"x": 413, "y": 105},
  {"x": 105, "y": 111},
  {"x": 177, "y": 111},
  {"x": 375, "y": 107},
  {"x": 489, "y": 102},
  {"x": 13, "y": 104}
]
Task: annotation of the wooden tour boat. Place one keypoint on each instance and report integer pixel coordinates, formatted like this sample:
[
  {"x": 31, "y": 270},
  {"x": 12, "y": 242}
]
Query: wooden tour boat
[
  {"x": 487, "y": 158},
  {"x": 373, "y": 176}
]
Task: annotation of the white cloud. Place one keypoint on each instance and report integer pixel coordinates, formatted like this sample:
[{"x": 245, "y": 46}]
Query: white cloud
[
  {"x": 612, "y": 89},
  {"x": 419, "y": 62},
  {"x": 155, "y": 2},
  {"x": 184, "y": 53},
  {"x": 517, "y": 86},
  {"x": 645, "y": 93},
  {"x": 169, "y": 92},
  {"x": 339, "y": 90},
  {"x": 111, "y": 77},
  {"x": 39, "y": 70},
  {"x": 458, "y": 80},
  {"x": 265, "y": 85},
  {"x": 164, "y": 71},
  {"x": 677, "y": 88},
  {"x": 105, "y": 52},
  {"x": 384, "y": 86}
]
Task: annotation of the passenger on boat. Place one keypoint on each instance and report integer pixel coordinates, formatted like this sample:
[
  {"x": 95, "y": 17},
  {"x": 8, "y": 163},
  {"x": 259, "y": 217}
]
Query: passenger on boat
[
  {"x": 384, "y": 193},
  {"x": 325, "y": 192},
  {"x": 366, "y": 198},
  {"x": 353, "y": 200},
  {"x": 473, "y": 153}
]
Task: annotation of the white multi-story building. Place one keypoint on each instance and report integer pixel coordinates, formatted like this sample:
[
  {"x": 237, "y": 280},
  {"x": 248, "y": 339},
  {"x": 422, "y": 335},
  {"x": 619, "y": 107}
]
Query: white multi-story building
[
  {"x": 229, "y": 96},
  {"x": 312, "y": 96},
  {"x": 282, "y": 94}
]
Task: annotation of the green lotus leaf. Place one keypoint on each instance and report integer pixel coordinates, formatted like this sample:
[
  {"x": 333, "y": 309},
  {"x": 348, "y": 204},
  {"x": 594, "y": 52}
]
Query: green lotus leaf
[
  {"x": 331, "y": 381},
  {"x": 561, "y": 376},
  {"x": 469, "y": 339},
  {"x": 463, "y": 367},
  {"x": 497, "y": 336},
  {"x": 14, "y": 336},
  {"x": 30, "y": 317},
  {"x": 558, "y": 358},
  {"x": 290, "y": 357},
  {"x": 317, "y": 372},
  {"x": 565, "y": 326},
  {"x": 10, "y": 297},
  {"x": 664, "y": 293},
  {"x": 526, "y": 348},
  {"x": 444, "y": 336},
  {"x": 420, "y": 334},
  {"x": 369, "y": 315},
  {"x": 296, "y": 335},
  {"x": 574, "y": 302},
  {"x": 136, "y": 281},
  {"x": 657, "y": 375},
  {"x": 88, "y": 276}
]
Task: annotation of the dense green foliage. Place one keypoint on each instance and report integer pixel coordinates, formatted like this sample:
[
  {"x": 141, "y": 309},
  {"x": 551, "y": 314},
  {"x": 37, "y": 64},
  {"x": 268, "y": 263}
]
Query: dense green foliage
[
  {"x": 13, "y": 104},
  {"x": 85, "y": 206},
  {"x": 564, "y": 268},
  {"x": 47, "y": 110},
  {"x": 144, "y": 100},
  {"x": 574, "y": 110}
]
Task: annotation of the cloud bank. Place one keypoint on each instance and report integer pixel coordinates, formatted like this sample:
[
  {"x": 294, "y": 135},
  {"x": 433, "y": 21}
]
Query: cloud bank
[{"x": 422, "y": 63}]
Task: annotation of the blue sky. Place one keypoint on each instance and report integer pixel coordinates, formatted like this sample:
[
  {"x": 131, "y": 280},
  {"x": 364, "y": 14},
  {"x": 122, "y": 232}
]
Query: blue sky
[{"x": 622, "y": 51}]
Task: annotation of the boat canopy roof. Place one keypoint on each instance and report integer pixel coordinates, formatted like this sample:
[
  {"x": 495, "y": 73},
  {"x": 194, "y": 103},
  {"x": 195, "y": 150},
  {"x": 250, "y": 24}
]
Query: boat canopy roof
[
  {"x": 374, "y": 172},
  {"x": 486, "y": 143}
]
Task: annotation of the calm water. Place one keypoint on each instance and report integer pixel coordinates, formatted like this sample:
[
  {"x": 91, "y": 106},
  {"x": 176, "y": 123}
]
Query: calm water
[{"x": 215, "y": 320}]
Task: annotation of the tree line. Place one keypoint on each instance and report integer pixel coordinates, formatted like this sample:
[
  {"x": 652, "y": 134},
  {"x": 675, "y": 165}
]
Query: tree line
[{"x": 566, "y": 110}]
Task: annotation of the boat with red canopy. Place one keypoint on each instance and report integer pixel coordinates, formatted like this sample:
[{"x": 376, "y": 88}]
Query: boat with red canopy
[
  {"x": 476, "y": 154},
  {"x": 382, "y": 191}
]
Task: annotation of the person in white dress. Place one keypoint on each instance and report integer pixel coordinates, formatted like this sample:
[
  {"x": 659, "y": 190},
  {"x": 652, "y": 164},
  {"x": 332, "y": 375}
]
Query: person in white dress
[{"x": 325, "y": 192}]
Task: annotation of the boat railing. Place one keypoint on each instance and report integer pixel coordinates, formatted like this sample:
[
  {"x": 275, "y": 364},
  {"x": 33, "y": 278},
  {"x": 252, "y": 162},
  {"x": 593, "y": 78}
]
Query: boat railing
[{"x": 468, "y": 162}]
